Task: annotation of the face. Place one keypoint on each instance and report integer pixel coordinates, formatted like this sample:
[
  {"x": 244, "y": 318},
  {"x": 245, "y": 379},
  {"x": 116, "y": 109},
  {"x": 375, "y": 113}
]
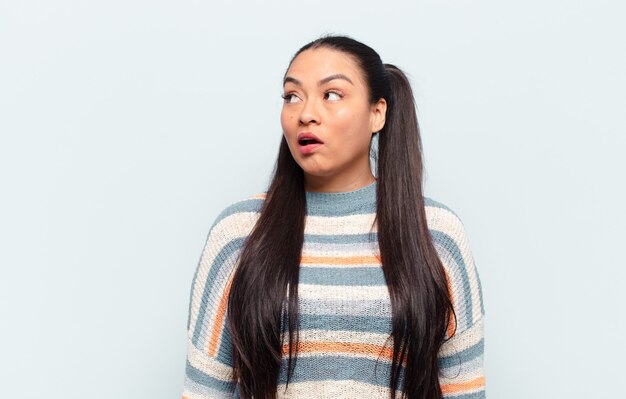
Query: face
[{"x": 326, "y": 96}]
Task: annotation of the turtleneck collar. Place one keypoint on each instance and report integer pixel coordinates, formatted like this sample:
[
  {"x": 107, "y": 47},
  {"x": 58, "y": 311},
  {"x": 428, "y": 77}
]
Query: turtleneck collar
[{"x": 344, "y": 203}]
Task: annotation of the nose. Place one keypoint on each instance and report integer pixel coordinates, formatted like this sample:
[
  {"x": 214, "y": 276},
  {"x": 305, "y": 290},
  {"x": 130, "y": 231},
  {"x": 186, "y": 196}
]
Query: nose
[{"x": 309, "y": 114}]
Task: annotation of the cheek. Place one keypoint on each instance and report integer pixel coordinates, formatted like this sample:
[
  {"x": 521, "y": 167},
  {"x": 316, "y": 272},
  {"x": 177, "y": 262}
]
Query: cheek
[
  {"x": 345, "y": 123},
  {"x": 342, "y": 115},
  {"x": 286, "y": 120},
  {"x": 354, "y": 123},
  {"x": 352, "y": 114}
]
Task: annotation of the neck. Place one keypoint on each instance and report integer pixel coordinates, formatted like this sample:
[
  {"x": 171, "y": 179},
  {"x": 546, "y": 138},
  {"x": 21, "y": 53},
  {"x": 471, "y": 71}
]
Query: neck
[{"x": 337, "y": 185}]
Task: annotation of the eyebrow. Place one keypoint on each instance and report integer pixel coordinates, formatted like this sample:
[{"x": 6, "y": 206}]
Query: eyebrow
[{"x": 321, "y": 82}]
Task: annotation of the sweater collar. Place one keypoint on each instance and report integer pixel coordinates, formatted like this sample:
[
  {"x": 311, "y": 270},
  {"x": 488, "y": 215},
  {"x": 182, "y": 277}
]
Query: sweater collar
[{"x": 344, "y": 203}]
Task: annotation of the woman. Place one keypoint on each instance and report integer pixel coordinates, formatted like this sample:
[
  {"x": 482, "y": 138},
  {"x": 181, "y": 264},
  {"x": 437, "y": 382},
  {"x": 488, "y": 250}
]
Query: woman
[{"x": 335, "y": 282}]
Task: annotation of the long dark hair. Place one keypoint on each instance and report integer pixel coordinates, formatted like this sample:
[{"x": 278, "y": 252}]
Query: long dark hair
[{"x": 269, "y": 263}]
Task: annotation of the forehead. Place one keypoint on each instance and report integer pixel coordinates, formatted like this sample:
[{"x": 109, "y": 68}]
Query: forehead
[{"x": 316, "y": 64}]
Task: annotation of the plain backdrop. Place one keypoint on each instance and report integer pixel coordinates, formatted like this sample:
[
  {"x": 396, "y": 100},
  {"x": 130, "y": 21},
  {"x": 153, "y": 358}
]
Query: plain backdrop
[{"x": 127, "y": 126}]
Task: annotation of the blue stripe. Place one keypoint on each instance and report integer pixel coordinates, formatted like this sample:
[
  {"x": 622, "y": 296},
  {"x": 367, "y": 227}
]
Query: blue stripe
[
  {"x": 342, "y": 238},
  {"x": 200, "y": 377},
  {"x": 450, "y": 245},
  {"x": 357, "y": 202},
  {"x": 338, "y": 368},
  {"x": 207, "y": 295},
  {"x": 337, "y": 307},
  {"x": 371, "y": 324},
  {"x": 225, "y": 350},
  {"x": 468, "y": 367},
  {"x": 463, "y": 356},
  {"x": 474, "y": 395},
  {"x": 343, "y": 276}
]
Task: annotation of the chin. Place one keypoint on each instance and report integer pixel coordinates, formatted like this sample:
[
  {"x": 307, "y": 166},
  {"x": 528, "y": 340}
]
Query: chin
[
  {"x": 318, "y": 172},
  {"x": 311, "y": 167}
]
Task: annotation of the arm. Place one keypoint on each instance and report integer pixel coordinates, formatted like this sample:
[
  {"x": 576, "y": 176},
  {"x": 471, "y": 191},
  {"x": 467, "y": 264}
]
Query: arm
[
  {"x": 208, "y": 371},
  {"x": 461, "y": 357},
  {"x": 461, "y": 362}
]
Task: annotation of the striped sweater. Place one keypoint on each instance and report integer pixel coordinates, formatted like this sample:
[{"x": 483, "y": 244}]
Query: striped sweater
[{"x": 345, "y": 312}]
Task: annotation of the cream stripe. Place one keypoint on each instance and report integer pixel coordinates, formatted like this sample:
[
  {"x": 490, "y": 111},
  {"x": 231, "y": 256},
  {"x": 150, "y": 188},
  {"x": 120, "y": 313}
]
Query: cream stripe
[
  {"x": 336, "y": 225},
  {"x": 310, "y": 291},
  {"x": 342, "y": 246},
  {"x": 325, "y": 266},
  {"x": 318, "y": 249},
  {"x": 342, "y": 336},
  {"x": 333, "y": 389}
]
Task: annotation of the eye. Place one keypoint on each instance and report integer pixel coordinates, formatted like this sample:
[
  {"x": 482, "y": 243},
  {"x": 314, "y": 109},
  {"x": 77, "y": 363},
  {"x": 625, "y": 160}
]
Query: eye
[
  {"x": 336, "y": 95},
  {"x": 288, "y": 97}
]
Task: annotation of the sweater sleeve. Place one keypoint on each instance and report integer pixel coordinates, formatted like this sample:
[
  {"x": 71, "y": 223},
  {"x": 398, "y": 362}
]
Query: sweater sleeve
[
  {"x": 208, "y": 371},
  {"x": 461, "y": 356}
]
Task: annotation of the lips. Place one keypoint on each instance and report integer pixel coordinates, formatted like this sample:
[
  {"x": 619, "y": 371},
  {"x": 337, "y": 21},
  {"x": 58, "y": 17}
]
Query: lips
[
  {"x": 308, "y": 138},
  {"x": 308, "y": 142}
]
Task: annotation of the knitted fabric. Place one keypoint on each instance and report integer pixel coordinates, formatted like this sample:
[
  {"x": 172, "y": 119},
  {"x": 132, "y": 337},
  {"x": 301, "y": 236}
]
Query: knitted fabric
[{"x": 345, "y": 312}]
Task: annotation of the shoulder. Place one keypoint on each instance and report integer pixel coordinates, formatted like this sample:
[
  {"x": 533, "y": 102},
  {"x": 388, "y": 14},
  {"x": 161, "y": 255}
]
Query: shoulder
[
  {"x": 453, "y": 247},
  {"x": 217, "y": 262},
  {"x": 436, "y": 208},
  {"x": 224, "y": 239},
  {"x": 445, "y": 224},
  {"x": 237, "y": 218}
]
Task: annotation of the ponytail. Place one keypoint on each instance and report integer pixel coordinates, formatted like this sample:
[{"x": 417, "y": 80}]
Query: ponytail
[{"x": 421, "y": 309}]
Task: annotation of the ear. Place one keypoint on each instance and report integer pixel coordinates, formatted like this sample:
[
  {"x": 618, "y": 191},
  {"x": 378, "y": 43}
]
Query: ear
[{"x": 377, "y": 116}]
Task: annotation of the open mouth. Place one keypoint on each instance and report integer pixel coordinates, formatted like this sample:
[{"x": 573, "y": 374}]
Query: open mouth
[{"x": 307, "y": 141}]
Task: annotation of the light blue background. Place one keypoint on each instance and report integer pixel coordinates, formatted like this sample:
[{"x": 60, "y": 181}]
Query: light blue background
[{"x": 126, "y": 126}]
